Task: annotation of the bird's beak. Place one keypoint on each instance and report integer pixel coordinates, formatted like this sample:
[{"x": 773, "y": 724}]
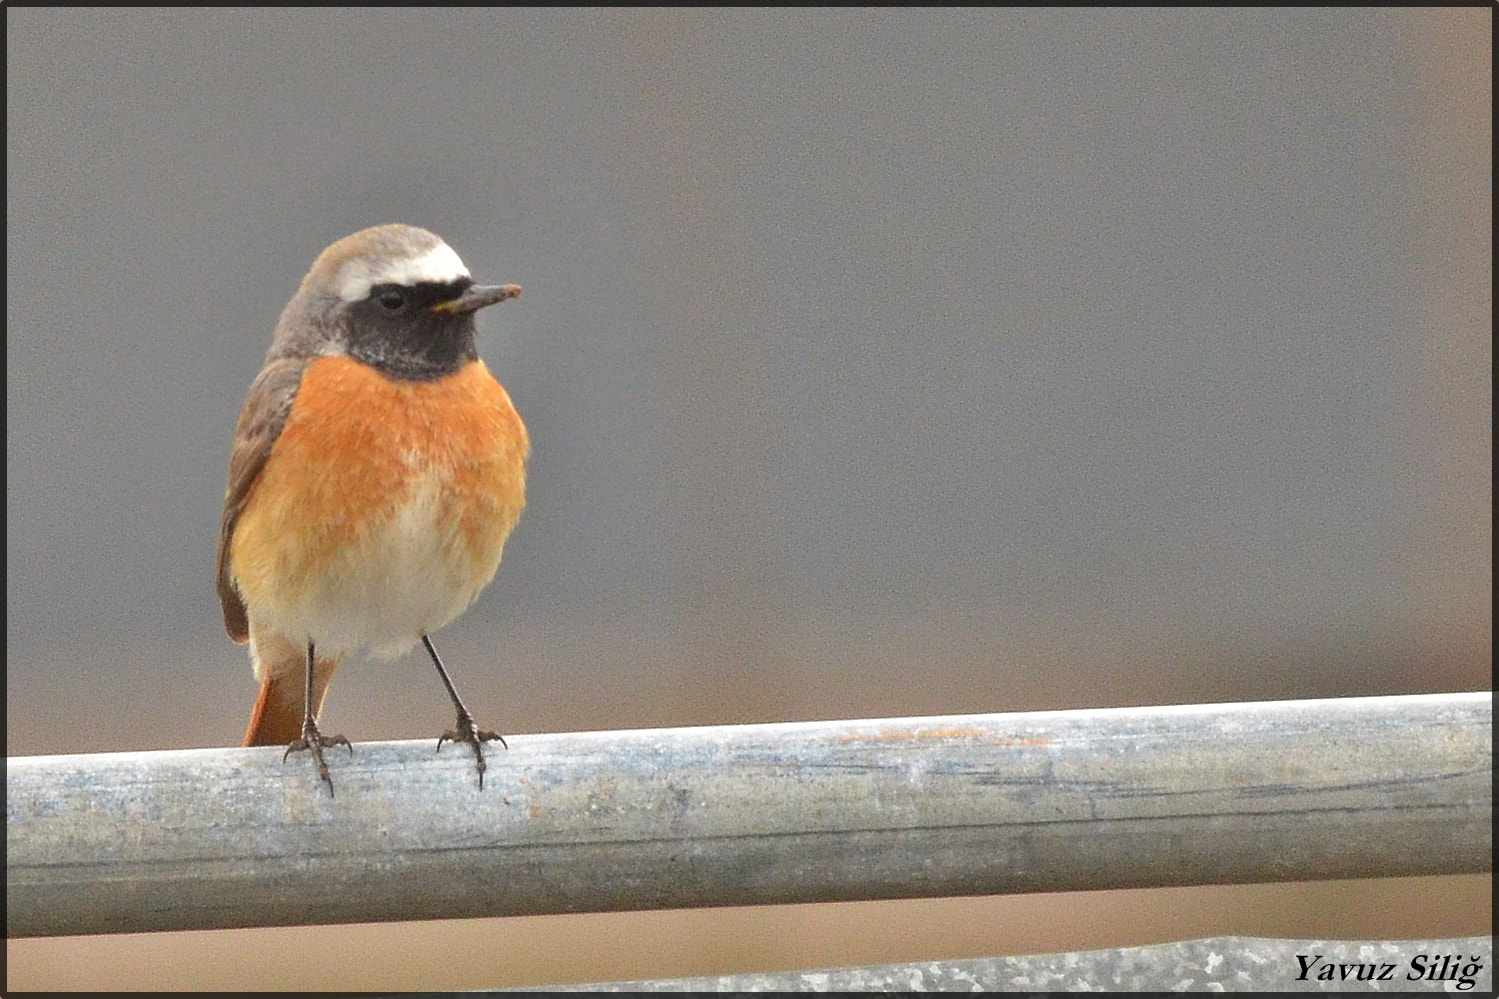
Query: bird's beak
[{"x": 476, "y": 297}]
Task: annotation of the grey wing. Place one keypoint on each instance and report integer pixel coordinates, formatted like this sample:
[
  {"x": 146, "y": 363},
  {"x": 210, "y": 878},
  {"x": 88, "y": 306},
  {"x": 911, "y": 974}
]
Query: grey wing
[{"x": 260, "y": 422}]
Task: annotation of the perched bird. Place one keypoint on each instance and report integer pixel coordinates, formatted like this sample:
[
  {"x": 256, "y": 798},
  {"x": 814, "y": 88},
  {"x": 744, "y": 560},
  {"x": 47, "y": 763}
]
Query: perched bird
[{"x": 377, "y": 469}]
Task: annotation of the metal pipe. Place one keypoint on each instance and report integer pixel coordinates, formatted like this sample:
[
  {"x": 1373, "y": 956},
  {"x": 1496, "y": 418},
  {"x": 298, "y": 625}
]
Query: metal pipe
[
  {"x": 754, "y": 814},
  {"x": 1463, "y": 965}
]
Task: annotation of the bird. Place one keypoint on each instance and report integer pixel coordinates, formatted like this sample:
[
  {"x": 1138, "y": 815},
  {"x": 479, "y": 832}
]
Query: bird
[{"x": 376, "y": 472}]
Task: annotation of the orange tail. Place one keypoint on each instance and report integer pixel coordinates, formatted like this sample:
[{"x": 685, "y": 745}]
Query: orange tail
[{"x": 277, "y": 717}]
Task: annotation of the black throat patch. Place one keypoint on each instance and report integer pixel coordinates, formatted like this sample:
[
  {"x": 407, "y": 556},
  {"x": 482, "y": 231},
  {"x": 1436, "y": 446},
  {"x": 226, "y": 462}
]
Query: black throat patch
[{"x": 396, "y": 331}]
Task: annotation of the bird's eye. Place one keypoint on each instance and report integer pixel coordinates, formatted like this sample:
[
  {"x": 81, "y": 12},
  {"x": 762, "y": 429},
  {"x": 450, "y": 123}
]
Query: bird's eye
[{"x": 390, "y": 299}]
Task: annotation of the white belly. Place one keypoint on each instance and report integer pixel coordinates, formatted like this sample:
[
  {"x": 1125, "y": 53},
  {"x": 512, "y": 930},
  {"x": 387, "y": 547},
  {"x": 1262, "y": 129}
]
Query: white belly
[{"x": 402, "y": 577}]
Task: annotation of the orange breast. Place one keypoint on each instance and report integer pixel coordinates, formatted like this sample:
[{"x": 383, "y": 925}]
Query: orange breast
[{"x": 384, "y": 506}]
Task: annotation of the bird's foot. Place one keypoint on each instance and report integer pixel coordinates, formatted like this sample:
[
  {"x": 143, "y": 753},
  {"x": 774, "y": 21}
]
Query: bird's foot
[
  {"x": 475, "y": 737},
  {"x": 317, "y": 742}
]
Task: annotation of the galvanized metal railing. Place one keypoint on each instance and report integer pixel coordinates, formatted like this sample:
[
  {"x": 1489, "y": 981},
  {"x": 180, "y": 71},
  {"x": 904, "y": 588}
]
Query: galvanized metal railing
[{"x": 752, "y": 814}]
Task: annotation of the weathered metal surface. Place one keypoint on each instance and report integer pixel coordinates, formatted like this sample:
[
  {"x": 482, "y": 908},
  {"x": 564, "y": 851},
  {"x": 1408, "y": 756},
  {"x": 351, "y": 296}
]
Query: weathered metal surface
[
  {"x": 753, "y": 814},
  {"x": 1464, "y": 965}
]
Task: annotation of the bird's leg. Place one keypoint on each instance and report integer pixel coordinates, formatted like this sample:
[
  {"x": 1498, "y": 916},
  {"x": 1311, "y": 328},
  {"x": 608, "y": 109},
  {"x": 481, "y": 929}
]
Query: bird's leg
[
  {"x": 311, "y": 738},
  {"x": 466, "y": 730}
]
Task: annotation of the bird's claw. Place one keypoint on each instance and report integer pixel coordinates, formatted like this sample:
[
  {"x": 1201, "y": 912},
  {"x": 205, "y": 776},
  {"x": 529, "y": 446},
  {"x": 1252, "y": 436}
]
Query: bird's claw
[
  {"x": 475, "y": 737},
  {"x": 316, "y": 741}
]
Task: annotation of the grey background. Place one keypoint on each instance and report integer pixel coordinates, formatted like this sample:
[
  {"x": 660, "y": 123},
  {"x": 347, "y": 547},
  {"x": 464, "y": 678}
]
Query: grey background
[{"x": 876, "y": 362}]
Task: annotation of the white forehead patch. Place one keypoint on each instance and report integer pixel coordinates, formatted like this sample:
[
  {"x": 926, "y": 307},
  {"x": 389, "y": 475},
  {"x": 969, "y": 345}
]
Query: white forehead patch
[{"x": 358, "y": 276}]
